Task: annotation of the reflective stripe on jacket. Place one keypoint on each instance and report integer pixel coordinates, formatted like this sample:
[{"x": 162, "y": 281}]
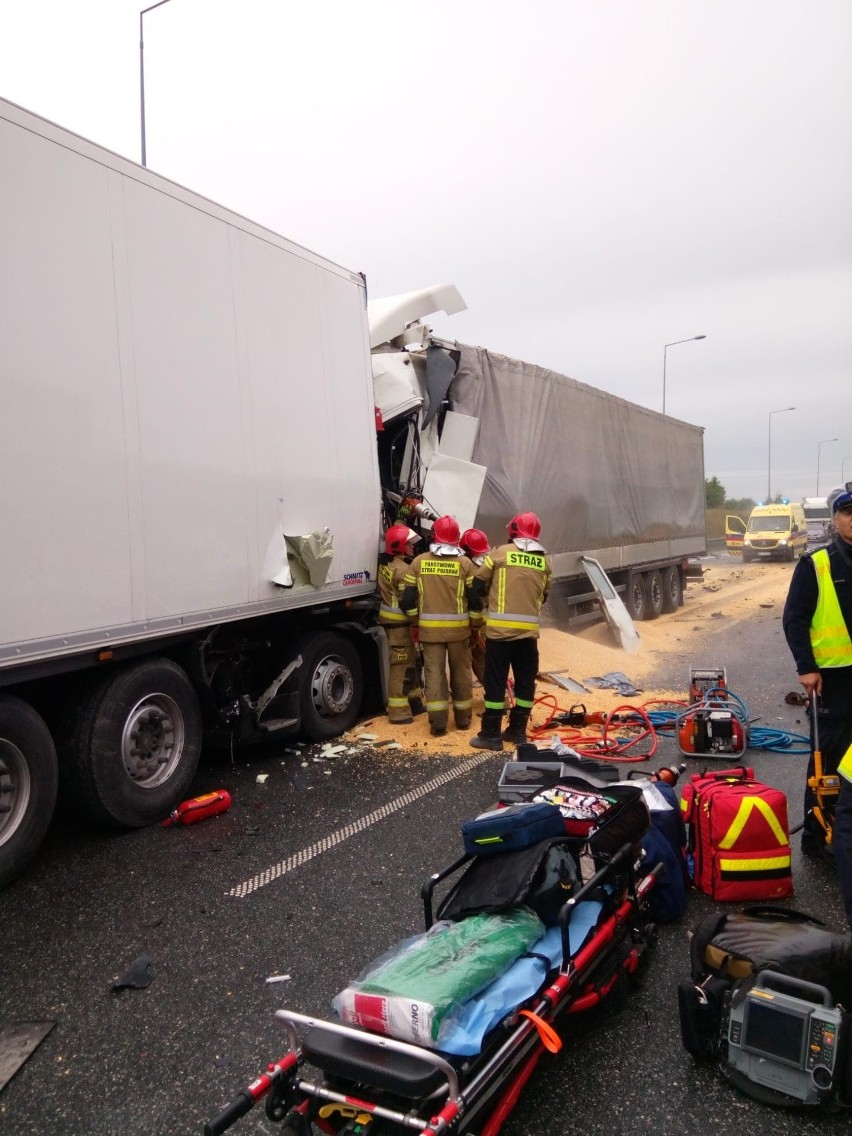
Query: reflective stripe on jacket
[
  {"x": 391, "y": 576},
  {"x": 517, "y": 584},
  {"x": 830, "y": 639},
  {"x": 436, "y": 596}
]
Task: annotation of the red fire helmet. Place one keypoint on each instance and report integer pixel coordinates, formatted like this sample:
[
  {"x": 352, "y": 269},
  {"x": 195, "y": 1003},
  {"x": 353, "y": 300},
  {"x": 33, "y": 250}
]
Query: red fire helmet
[
  {"x": 397, "y": 537},
  {"x": 526, "y": 525},
  {"x": 474, "y": 542},
  {"x": 446, "y": 530}
]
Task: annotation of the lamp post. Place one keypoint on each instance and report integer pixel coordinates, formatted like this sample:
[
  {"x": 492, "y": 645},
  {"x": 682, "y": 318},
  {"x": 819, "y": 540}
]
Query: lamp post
[
  {"x": 824, "y": 442},
  {"x": 665, "y": 349},
  {"x": 769, "y": 451},
  {"x": 843, "y": 462},
  {"x": 159, "y": 4}
]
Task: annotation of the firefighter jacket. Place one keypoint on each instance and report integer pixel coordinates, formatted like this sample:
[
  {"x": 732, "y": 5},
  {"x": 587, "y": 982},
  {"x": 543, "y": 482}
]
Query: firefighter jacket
[
  {"x": 832, "y": 645},
  {"x": 392, "y": 571},
  {"x": 516, "y": 583},
  {"x": 436, "y": 597}
]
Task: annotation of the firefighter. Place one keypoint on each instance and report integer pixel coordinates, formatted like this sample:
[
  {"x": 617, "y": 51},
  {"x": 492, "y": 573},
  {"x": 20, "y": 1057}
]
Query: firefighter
[
  {"x": 436, "y": 598},
  {"x": 405, "y": 698},
  {"x": 513, "y": 580},
  {"x": 818, "y": 626},
  {"x": 474, "y": 544}
]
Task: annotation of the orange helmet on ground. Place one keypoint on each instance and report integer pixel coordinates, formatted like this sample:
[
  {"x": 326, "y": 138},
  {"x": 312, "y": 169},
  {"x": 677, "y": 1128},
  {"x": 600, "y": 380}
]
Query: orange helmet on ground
[
  {"x": 446, "y": 530},
  {"x": 474, "y": 542},
  {"x": 526, "y": 525},
  {"x": 397, "y": 537}
]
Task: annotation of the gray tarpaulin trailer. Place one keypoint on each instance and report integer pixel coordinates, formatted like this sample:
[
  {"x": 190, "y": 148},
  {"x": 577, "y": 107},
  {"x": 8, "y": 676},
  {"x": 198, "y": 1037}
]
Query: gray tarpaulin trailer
[{"x": 490, "y": 436}]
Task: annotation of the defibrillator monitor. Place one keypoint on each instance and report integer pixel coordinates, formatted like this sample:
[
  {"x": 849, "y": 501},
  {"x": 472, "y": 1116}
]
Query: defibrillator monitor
[{"x": 785, "y": 1034}]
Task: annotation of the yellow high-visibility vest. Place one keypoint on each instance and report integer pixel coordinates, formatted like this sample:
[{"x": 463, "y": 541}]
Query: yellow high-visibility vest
[
  {"x": 830, "y": 639},
  {"x": 845, "y": 766}
]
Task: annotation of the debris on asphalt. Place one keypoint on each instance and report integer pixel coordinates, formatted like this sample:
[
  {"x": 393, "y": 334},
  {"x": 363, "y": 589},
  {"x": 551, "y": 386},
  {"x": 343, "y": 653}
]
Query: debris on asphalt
[
  {"x": 262, "y": 778},
  {"x": 18, "y": 1041},
  {"x": 137, "y": 976},
  {"x": 278, "y": 978}
]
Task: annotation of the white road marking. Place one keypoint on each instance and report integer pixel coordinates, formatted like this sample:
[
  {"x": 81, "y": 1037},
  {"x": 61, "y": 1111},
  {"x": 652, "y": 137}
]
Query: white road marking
[{"x": 269, "y": 875}]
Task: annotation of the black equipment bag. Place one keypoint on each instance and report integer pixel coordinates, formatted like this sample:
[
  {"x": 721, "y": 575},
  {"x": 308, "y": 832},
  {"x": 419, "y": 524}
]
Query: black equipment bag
[
  {"x": 543, "y": 876},
  {"x": 727, "y": 952}
]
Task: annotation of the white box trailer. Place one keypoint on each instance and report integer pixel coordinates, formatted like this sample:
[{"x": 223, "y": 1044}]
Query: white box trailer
[
  {"x": 189, "y": 490},
  {"x": 193, "y": 486}
]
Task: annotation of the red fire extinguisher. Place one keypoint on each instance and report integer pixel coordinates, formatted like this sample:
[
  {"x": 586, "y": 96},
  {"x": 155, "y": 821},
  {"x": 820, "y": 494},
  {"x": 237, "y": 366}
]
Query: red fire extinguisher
[{"x": 199, "y": 808}]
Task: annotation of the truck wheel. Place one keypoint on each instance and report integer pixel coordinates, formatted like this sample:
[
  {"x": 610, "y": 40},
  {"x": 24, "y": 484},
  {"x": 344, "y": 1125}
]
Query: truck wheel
[
  {"x": 634, "y": 597},
  {"x": 653, "y": 594},
  {"x": 28, "y": 785},
  {"x": 672, "y": 590},
  {"x": 330, "y": 685},
  {"x": 133, "y": 745}
]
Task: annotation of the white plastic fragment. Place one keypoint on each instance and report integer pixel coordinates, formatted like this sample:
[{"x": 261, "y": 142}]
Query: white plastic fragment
[
  {"x": 393, "y": 745},
  {"x": 366, "y": 737},
  {"x": 278, "y": 978},
  {"x": 261, "y": 777}
]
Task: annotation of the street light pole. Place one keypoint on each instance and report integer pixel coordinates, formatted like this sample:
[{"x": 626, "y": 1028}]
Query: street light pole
[
  {"x": 159, "y": 4},
  {"x": 769, "y": 452},
  {"x": 843, "y": 462},
  {"x": 824, "y": 442},
  {"x": 665, "y": 349}
]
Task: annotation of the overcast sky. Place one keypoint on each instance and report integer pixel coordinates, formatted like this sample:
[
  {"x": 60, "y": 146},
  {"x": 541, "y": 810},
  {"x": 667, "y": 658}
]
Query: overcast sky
[{"x": 598, "y": 178}]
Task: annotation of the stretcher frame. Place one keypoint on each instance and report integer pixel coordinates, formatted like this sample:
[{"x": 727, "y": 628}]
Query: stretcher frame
[{"x": 357, "y": 1089}]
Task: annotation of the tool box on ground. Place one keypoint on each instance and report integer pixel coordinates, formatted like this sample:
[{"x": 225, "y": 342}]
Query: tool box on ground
[
  {"x": 537, "y": 769},
  {"x": 766, "y": 999},
  {"x": 739, "y": 836}
]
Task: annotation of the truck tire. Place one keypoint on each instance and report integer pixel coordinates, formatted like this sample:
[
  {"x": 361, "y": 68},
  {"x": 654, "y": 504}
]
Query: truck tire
[
  {"x": 331, "y": 685},
  {"x": 133, "y": 745},
  {"x": 653, "y": 594},
  {"x": 28, "y": 785},
  {"x": 672, "y": 590},
  {"x": 634, "y": 597}
]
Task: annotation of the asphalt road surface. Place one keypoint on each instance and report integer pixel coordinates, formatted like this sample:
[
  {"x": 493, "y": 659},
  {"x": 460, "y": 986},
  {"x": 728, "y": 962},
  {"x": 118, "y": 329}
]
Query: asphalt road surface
[{"x": 312, "y": 874}]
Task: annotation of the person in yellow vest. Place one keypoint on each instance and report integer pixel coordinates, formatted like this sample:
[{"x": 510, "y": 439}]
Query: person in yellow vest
[
  {"x": 436, "y": 598},
  {"x": 818, "y": 626},
  {"x": 514, "y": 579},
  {"x": 405, "y": 698}
]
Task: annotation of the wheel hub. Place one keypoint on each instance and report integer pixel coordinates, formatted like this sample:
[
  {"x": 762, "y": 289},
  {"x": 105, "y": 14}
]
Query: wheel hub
[
  {"x": 152, "y": 740},
  {"x": 332, "y": 688},
  {"x": 14, "y": 788}
]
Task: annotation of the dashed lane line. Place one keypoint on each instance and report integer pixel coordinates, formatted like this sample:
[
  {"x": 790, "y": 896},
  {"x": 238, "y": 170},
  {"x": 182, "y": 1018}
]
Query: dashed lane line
[{"x": 276, "y": 871}]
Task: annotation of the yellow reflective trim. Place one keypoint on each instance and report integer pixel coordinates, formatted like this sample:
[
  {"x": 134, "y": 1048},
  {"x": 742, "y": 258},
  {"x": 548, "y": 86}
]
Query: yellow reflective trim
[
  {"x": 747, "y": 806},
  {"x": 768, "y": 864},
  {"x": 397, "y": 702},
  {"x": 440, "y": 568},
  {"x": 518, "y": 559},
  {"x": 501, "y": 589},
  {"x": 438, "y": 705}
]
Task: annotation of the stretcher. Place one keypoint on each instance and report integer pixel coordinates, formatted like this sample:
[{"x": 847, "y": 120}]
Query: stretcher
[{"x": 343, "y": 1080}]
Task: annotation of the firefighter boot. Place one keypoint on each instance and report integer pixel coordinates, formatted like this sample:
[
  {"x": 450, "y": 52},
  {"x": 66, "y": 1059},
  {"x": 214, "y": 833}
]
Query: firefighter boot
[
  {"x": 516, "y": 731},
  {"x": 489, "y": 736}
]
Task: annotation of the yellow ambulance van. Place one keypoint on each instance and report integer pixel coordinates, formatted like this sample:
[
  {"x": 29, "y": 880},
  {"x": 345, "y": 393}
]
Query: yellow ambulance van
[{"x": 775, "y": 532}]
